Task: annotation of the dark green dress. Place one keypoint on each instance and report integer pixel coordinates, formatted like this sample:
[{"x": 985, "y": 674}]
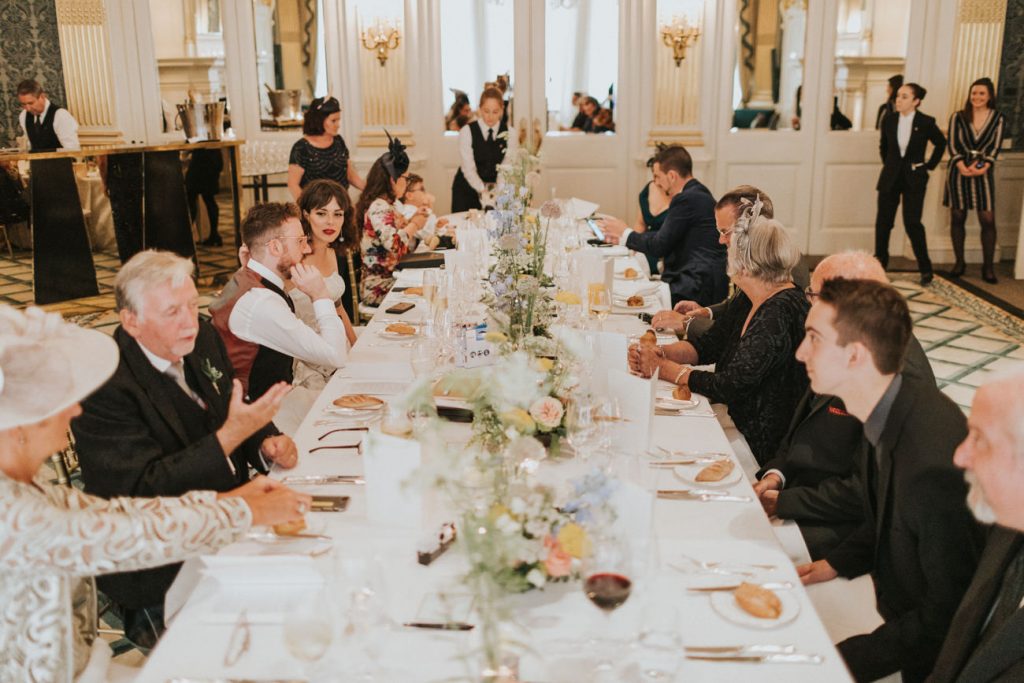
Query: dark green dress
[{"x": 652, "y": 222}]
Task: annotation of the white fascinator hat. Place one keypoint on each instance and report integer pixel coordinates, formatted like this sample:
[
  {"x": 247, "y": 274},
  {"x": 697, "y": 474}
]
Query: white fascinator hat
[{"x": 47, "y": 364}]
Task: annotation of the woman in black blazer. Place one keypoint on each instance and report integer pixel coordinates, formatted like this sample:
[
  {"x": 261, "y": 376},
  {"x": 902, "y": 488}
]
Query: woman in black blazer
[{"x": 905, "y": 136}]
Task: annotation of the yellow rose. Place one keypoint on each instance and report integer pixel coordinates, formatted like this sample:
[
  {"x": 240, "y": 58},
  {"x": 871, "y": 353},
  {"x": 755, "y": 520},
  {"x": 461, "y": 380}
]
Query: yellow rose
[
  {"x": 497, "y": 510},
  {"x": 518, "y": 419},
  {"x": 495, "y": 337},
  {"x": 568, "y": 298},
  {"x": 544, "y": 364},
  {"x": 573, "y": 540}
]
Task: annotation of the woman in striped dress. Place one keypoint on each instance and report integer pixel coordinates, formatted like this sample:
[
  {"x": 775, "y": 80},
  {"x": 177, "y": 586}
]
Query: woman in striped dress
[{"x": 975, "y": 135}]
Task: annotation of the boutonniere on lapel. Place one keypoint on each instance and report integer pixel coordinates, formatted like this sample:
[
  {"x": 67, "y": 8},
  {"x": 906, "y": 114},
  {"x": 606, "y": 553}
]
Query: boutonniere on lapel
[
  {"x": 212, "y": 373},
  {"x": 503, "y": 135}
]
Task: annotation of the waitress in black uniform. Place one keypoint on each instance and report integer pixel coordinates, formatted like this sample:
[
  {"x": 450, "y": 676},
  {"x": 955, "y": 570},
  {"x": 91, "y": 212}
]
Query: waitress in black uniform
[{"x": 483, "y": 145}]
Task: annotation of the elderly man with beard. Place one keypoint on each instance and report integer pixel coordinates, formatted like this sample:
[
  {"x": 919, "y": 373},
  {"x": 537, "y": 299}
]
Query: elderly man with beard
[
  {"x": 256, "y": 318},
  {"x": 986, "y": 638}
]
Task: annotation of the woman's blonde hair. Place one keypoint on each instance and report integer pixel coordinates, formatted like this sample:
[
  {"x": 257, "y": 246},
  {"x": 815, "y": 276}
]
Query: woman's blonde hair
[{"x": 763, "y": 250}]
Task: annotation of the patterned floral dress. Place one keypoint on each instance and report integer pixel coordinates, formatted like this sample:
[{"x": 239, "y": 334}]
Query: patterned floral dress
[
  {"x": 383, "y": 244},
  {"x": 53, "y": 539}
]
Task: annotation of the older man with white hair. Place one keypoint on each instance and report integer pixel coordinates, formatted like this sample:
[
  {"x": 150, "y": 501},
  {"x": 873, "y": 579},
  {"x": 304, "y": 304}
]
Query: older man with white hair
[
  {"x": 812, "y": 479},
  {"x": 171, "y": 420},
  {"x": 986, "y": 639}
]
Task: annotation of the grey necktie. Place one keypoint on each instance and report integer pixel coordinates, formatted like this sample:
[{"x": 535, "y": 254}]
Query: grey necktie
[{"x": 176, "y": 371}]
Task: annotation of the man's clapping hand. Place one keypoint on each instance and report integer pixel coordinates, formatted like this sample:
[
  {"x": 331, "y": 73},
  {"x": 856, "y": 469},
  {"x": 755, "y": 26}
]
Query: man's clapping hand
[
  {"x": 309, "y": 281},
  {"x": 271, "y": 502},
  {"x": 245, "y": 419}
]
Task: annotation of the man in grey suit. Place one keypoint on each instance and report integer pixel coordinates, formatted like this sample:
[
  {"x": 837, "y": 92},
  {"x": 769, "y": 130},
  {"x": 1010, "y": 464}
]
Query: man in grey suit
[
  {"x": 986, "y": 639},
  {"x": 812, "y": 479}
]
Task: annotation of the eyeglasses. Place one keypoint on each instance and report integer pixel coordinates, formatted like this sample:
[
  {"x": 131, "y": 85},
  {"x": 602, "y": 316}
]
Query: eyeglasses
[
  {"x": 303, "y": 239},
  {"x": 810, "y": 293},
  {"x": 726, "y": 232}
]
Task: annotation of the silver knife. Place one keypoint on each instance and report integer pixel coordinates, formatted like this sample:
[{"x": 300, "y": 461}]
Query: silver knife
[
  {"x": 701, "y": 495},
  {"x": 689, "y": 461},
  {"x": 792, "y": 658},
  {"x": 321, "y": 479},
  {"x": 740, "y": 649},
  {"x": 770, "y": 585}
]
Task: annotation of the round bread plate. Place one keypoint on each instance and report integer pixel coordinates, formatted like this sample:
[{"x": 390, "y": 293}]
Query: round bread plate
[
  {"x": 688, "y": 473},
  {"x": 725, "y": 604},
  {"x": 394, "y": 336},
  {"x": 619, "y": 303},
  {"x": 621, "y": 275},
  {"x": 669, "y": 403}
]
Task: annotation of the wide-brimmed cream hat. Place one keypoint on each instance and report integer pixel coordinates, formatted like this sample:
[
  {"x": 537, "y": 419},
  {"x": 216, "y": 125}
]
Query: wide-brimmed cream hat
[{"x": 47, "y": 364}]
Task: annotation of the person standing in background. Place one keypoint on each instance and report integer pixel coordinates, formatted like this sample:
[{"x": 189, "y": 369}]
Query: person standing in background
[
  {"x": 889, "y": 106},
  {"x": 483, "y": 146},
  {"x": 48, "y": 125},
  {"x": 975, "y": 135},
  {"x": 905, "y": 135},
  {"x": 321, "y": 152}
]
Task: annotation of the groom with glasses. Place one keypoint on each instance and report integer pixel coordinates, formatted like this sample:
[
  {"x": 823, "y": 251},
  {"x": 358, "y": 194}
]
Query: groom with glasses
[{"x": 256, "y": 318}]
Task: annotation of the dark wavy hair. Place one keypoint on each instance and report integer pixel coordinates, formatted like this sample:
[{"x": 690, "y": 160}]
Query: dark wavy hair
[
  {"x": 319, "y": 110},
  {"x": 319, "y": 194},
  {"x": 378, "y": 185},
  {"x": 968, "y": 111}
]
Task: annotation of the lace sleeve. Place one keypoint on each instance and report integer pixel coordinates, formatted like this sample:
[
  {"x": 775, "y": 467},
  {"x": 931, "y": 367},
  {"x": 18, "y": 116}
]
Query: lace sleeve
[{"x": 69, "y": 532}]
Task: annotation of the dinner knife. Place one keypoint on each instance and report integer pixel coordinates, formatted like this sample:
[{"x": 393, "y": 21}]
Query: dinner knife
[
  {"x": 689, "y": 461},
  {"x": 766, "y": 648},
  {"x": 702, "y": 495},
  {"x": 321, "y": 479},
  {"x": 791, "y": 658},
  {"x": 770, "y": 585},
  {"x": 440, "y": 625}
]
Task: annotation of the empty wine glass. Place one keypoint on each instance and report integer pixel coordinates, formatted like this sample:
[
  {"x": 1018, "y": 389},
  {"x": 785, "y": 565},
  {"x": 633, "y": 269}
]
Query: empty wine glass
[
  {"x": 582, "y": 430},
  {"x": 308, "y": 630}
]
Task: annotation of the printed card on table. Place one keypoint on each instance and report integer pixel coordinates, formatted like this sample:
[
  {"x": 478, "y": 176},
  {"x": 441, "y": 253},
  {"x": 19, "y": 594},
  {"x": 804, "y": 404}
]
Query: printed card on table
[
  {"x": 635, "y": 396},
  {"x": 388, "y": 465}
]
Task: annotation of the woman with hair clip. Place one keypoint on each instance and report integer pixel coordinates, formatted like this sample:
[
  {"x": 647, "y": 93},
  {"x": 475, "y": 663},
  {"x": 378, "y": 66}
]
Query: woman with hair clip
[
  {"x": 328, "y": 222},
  {"x": 483, "y": 146},
  {"x": 321, "y": 152},
  {"x": 386, "y": 236},
  {"x": 975, "y": 136}
]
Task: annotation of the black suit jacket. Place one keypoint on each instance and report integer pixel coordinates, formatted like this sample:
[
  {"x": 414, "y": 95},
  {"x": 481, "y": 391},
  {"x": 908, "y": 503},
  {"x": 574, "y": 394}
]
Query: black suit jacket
[
  {"x": 818, "y": 457},
  {"x": 918, "y": 540},
  {"x": 1001, "y": 656},
  {"x": 688, "y": 241},
  {"x": 132, "y": 441},
  {"x": 911, "y": 167}
]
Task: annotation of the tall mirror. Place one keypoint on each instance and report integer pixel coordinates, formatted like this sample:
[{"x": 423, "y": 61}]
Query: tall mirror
[
  {"x": 871, "y": 49},
  {"x": 290, "y": 65},
  {"x": 581, "y": 65},
  {"x": 188, "y": 43},
  {"x": 768, "y": 81},
  {"x": 477, "y": 51}
]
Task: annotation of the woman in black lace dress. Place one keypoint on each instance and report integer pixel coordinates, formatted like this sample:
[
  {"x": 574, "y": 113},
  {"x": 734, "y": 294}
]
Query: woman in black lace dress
[
  {"x": 321, "y": 152},
  {"x": 752, "y": 344}
]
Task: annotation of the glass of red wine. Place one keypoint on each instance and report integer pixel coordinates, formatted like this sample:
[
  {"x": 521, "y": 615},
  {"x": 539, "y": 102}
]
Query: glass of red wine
[{"x": 607, "y": 584}]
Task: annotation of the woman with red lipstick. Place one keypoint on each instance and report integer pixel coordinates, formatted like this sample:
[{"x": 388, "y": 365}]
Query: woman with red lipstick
[{"x": 327, "y": 220}]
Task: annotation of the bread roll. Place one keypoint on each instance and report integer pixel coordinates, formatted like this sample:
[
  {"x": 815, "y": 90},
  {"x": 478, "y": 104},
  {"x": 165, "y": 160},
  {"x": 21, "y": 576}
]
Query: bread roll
[
  {"x": 757, "y": 601},
  {"x": 630, "y": 273},
  {"x": 290, "y": 528},
  {"x": 716, "y": 471},
  {"x": 635, "y": 301},
  {"x": 413, "y": 291},
  {"x": 682, "y": 394},
  {"x": 400, "y": 328},
  {"x": 358, "y": 401}
]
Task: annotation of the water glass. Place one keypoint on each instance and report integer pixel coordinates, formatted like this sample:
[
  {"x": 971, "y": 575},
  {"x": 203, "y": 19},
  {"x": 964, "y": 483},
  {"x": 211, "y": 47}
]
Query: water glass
[
  {"x": 309, "y": 629},
  {"x": 424, "y": 356},
  {"x": 659, "y": 641}
]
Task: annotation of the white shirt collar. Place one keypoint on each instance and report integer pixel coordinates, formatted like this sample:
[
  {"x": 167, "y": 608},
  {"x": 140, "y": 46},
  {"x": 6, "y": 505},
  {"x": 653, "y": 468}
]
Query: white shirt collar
[
  {"x": 261, "y": 270},
  {"x": 161, "y": 364},
  {"x": 907, "y": 117}
]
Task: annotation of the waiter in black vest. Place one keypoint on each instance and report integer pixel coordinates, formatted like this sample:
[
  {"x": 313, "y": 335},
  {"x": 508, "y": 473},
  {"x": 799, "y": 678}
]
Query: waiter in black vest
[
  {"x": 483, "y": 145},
  {"x": 47, "y": 125}
]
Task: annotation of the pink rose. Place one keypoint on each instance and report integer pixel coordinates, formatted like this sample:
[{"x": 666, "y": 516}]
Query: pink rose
[
  {"x": 547, "y": 412},
  {"x": 558, "y": 562}
]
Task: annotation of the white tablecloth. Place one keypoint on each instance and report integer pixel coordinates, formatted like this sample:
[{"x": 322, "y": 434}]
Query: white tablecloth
[{"x": 553, "y": 621}]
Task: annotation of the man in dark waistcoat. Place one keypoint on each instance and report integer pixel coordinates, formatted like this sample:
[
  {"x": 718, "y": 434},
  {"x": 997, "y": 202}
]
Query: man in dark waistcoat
[{"x": 47, "y": 125}]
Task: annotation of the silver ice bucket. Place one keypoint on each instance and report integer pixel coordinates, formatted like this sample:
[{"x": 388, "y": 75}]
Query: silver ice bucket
[
  {"x": 202, "y": 120},
  {"x": 285, "y": 105}
]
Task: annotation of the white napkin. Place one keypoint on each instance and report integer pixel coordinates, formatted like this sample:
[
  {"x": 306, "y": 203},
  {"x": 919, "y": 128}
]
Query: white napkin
[
  {"x": 636, "y": 405},
  {"x": 388, "y": 465},
  {"x": 579, "y": 209}
]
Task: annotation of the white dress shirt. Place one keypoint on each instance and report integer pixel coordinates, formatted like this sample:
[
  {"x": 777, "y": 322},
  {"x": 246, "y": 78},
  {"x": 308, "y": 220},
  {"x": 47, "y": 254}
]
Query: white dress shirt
[
  {"x": 466, "y": 150},
  {"x": 64, "y": 125},
  {"x": 262, "y": 317},
  {"x": 903, "y": 131}
]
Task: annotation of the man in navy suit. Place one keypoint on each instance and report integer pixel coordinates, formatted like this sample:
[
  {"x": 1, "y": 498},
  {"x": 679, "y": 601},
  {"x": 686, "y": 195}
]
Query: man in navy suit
[
  {"x": 688, "y": 239},
  {"x": 986, "y": 638},
  {"x": 905, "y": 136}
]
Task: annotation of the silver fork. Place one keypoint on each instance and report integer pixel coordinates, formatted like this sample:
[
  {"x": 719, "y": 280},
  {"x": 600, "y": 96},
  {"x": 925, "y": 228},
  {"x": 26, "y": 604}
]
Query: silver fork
[{"x": 715, "y": 565}]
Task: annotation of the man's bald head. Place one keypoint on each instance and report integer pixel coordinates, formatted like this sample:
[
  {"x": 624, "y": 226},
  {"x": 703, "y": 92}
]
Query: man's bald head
[{"x": 849, "y": 265}]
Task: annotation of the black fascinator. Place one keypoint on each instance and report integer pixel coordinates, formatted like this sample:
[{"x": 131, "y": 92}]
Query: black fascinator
[
  {"x": 395, "y": 160},
  {"x": 325, "y": 106}
]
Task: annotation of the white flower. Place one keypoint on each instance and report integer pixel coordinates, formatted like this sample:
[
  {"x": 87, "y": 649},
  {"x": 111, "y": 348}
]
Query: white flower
[
  {"x": 536, "y": 578},
  {"x": 515, "y": 382},
  {"x": 547, "y": 412},
  {"x": 517, "y": 506},
  {"x": 506, "y": 525}
]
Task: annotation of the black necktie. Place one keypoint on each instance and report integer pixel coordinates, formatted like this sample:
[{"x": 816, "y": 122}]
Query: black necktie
[{"x": 490, "y": 135}]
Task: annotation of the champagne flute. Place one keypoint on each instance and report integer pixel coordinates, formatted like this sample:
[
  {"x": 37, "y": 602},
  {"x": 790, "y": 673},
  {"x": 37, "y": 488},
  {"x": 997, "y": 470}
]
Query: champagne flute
[
  {"x": 599, "y": 302},
  {"x": 430, "y": 278}
]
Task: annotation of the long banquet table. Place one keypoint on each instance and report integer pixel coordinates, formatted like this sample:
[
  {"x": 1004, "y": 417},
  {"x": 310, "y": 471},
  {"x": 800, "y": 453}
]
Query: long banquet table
[{"x": 552, "y": 622}]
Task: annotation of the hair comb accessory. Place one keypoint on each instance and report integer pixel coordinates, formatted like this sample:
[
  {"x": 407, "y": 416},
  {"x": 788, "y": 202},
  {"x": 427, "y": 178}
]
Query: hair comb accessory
[
  {"x": 395, "y": 160},
  {"x": 750, "y": 212}
]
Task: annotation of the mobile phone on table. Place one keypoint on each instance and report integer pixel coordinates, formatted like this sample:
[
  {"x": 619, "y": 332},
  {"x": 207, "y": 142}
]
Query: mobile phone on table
[
  {"x": 400, "y": 308},
  {"x": 330, "y": 503},
  {"x": 595, "y": 228}
]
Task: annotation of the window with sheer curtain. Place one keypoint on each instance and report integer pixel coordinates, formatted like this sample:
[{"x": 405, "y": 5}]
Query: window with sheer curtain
[{"x": 476, "y": 45}]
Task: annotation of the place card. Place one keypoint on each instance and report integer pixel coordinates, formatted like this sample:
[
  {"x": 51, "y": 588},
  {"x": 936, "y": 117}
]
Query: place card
[
  {"x": 635, "y": 396},
  {"x": 389, "y": 463}
]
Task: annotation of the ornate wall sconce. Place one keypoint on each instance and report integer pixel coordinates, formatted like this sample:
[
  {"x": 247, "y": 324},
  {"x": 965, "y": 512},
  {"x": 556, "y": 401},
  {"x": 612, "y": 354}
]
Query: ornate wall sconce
[
  {"x": 382, "y": 37},
  {"x": 679, "y": 35}
]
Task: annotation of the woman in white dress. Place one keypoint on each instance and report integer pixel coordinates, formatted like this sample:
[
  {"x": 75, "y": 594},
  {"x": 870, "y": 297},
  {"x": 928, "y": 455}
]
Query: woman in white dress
[
  {"x": 327, "y": 220},
  {"x": 53, "y": 539}
]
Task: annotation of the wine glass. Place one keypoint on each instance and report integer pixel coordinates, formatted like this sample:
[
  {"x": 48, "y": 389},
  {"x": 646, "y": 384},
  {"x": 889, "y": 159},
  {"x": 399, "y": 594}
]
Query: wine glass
[
  {"x": 659, "y": 641},
  {"x": 599, "y": 302},
  {"x": 424, "y": 355},
  {"x": 607, "y": 583},
  {"x": 308, "y": 630},
  {"x": 582, "y": 430},
  {"x": 430, "y": 279},
  {"x": 608, "y": 417}
]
